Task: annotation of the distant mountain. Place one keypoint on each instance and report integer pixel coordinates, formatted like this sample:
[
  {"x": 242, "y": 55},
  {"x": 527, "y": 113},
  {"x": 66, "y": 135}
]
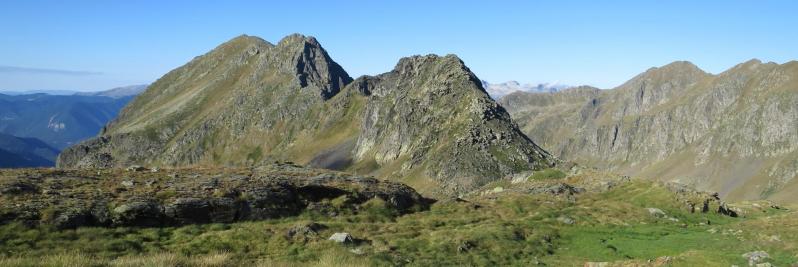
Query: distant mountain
[
  {"x": 30, "y": 92},
  {"x": 118, "y": 92},
  {"x": 61, "y": 120},
  {"x": 734, "y": 132},
  {"x": 427, "y": 122},
  {"x": 18, "y": 152},
  {"x": 498, "y": 90}
]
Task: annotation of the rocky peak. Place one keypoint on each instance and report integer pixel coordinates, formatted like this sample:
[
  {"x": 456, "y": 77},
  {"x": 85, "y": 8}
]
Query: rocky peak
[
  {"x": 684, "y": 71},
  {"x": 658, "y": 85},
  {"x": 306, "y": 58},
  {"x": 443, "y": 69}
]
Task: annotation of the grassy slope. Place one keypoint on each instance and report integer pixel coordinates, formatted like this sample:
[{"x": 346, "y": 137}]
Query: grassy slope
[{"x": 506, "y": 229}]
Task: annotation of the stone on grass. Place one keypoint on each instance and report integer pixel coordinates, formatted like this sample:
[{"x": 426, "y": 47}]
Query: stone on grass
[
  {"x": 755, "y": 257},
  {"x": 342, "y": 238},
  {"x": 565, "y": 220},
  {"x": 656, "y": 212}
]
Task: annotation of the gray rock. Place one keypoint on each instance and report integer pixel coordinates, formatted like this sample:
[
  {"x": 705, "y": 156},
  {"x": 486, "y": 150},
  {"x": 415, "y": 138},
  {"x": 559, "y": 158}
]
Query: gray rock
[
  {"x": 128, "y": 183},
  {"x": 755, "y": 257},
  {"x": 557, "y": 189},
  {"x": 656, "y": 212},
  {"x": 136, "y": 168},
  {"x": 72, "y": 218},
  {"x": 465, "y": 246},
  {"x": 342, "y": 238},
  {"x": 566, "y": 220},
  {"x": 138, "y": 213},
  {"x": 188, "y": 211}
]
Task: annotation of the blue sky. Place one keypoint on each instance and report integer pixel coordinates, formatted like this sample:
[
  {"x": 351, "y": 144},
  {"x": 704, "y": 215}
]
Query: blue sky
[{"x": 94, "y": 45}]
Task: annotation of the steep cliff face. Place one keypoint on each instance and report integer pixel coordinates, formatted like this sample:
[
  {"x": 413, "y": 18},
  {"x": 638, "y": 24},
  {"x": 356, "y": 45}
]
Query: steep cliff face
[
  {"x": 248, "y": 102},
  {"x": 733, "y": 132}
]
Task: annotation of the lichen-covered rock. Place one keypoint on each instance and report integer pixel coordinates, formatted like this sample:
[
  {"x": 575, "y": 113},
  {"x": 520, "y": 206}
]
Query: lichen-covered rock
[{"x": 138, "y": 213}]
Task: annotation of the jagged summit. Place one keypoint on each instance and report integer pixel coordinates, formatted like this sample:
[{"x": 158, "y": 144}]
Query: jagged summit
[
  {"x": 313, "y": 65},
  {"x": 428, "y": 122}
]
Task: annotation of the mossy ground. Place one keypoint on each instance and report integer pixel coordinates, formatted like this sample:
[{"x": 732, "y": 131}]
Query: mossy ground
[{"x": 490, "y": 230}]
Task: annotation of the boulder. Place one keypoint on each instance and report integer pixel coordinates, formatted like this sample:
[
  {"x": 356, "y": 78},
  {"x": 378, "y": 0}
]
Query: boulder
[
  {"x": 656, "y": 212},
  {"x": 755, "y": 257},
  {"x": 138, "y": 213},
  {"x": 136, "y": 168},
  {"x": 342, "y": 238},
  {"x": 128, "y": 183},
  {"x": 465, "y": 246},
  {"x": 565, "y": 220},
  {"x": 72, "y": 218},
  {"x": 188, "y": 210}
]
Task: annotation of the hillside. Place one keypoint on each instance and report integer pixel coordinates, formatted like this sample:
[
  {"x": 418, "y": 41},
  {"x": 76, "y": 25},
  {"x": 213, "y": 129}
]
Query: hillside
[
  {"x": 17, "y": 152},
  {"x": 428, "y": 122},
  {"x": 732, "y": 132}
]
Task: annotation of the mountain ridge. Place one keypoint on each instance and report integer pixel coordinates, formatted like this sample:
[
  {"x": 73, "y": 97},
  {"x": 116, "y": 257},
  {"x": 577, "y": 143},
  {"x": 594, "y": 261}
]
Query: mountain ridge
[
  {"x": 679, "y": 123},
  {"x": 248, "y": 102}
]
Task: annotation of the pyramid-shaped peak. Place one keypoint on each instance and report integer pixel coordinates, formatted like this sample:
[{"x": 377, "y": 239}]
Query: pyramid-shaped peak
[
  {"x": 681, "y": 65},
  {"x": 298, "y": 39}
]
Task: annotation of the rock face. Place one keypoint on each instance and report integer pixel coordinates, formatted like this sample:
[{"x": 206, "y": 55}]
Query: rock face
[
  {"x": 74, "y": 198},
  {"x": 428, "y": 122},
  {"x": 733, "y": 132}
]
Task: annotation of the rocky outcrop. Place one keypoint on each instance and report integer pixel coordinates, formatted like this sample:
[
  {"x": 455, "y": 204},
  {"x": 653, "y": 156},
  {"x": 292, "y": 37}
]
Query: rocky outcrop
[
  {"x": 75, "y": 198},
  {"x": 727, "y": 133},
  {"x": 428, "y": 122}
]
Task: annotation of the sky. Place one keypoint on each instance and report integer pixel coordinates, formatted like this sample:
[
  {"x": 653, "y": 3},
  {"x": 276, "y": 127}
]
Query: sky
[{"x": 97, "y": 45}]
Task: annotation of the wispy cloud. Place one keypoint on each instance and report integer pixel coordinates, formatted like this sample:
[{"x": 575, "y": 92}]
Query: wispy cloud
[{"x": 13, "y": 69}]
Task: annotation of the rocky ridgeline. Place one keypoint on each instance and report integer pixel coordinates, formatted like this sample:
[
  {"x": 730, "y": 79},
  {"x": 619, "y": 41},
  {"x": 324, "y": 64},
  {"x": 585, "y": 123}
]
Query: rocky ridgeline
[
  {"x": 732, "y": 132},
  {"x": 152, "y": 198},
  {"x": 428, "y": 122}
]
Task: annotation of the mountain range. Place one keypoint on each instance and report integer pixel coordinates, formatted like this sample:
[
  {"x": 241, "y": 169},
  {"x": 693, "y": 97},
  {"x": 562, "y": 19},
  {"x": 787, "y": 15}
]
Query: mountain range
[
  {"x": 428, "y": 122},
  {"x": 734, "y": 132},
  {"x": 498, "y": 90},
  {"x": 62, "y": 120},
  {"x": 17, "y": 152}
]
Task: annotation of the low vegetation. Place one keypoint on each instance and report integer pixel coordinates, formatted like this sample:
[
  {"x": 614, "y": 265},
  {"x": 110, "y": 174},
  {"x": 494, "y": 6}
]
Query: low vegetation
[{"x": 494, "y": 229}]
